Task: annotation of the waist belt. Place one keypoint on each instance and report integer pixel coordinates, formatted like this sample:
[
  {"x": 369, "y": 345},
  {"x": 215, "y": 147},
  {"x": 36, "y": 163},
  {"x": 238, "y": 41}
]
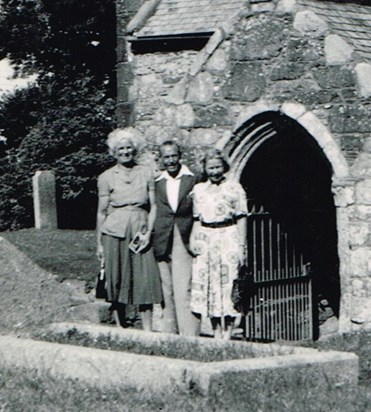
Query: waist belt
[{"x": 214, "y": 225}]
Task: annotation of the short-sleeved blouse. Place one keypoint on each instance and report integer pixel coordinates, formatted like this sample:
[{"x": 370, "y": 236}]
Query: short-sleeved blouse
[
  {"x": 217, "y": 203},
  {"x": 124, "y": 187}
]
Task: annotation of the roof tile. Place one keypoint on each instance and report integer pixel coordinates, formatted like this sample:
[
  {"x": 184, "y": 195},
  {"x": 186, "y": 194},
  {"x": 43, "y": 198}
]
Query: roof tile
[
  {"x": 190, "y": 16},
  {"x": 350, "y": 21}
]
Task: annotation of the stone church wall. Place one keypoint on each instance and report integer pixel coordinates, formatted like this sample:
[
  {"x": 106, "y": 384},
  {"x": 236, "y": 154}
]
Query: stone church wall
[{"x": 269, "y": 60}]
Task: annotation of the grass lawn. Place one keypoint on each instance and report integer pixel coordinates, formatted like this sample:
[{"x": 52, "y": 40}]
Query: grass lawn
[{"x": 69, "y": 254}]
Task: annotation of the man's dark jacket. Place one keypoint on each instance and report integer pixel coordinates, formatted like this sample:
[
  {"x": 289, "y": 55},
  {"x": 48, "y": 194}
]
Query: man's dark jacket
[{"x": 166, "y": 218}]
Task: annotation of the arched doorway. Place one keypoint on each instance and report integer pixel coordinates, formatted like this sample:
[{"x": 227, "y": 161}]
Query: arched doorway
[{"x": 288, "y": 183}]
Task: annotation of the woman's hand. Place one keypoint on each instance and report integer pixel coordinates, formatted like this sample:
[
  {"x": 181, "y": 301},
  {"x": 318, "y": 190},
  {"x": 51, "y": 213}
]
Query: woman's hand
[
  {"x": 193, "y": 246},
  {"x": 242, "y": 254},
  {"x": 100, "y": 252},
  {"x": 144, "y": 240}
]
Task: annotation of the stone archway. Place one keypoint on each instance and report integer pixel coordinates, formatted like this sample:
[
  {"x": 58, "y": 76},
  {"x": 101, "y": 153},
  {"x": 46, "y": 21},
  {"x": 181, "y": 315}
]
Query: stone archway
[{"x": 260, "y": 125}]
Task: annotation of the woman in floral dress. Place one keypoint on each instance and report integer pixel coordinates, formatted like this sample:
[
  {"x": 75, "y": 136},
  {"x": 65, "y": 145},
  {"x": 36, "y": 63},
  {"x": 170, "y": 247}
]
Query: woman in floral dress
[{"x": 218, "y": 241}]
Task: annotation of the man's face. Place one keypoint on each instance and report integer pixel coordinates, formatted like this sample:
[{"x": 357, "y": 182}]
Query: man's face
[{"x": 170, "y": 159}]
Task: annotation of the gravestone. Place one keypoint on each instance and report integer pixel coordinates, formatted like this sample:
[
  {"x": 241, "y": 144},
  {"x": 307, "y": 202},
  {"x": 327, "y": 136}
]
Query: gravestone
[{"x": 45, "y": 208}]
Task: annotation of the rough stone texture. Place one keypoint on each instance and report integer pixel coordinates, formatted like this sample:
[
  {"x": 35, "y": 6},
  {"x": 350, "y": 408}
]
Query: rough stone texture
[
  {"x": 185, "y": 116},
  {"x": 308, "y": 23},
  {"x": 351, "y": 119},
  {"x": 201, "y": 89},
  {"x": 247, "y": 83},
  {"x": 286, "y": 6},
  {"x": 287, "y": 71},
  {"x": 337, "y": 50},
  {"x": 362, "y": 166},
  {"x": 359, "y": 262},
  {"x": 204, "y": 137},
  {"x": 212, "y": 116},
  {"x": 44, "y": 200},
  {"x": 304, "y": 50},
  {"x": 363, "y": 72},
  {"x": 334, "y": 77},
  {"x": 262, "y": 39},
  {"x": 363, "y": 192},
  {"x": 208, "y": 50},
  {"x": 218, "y": 62},
  {"x": 359, "y": 234}
]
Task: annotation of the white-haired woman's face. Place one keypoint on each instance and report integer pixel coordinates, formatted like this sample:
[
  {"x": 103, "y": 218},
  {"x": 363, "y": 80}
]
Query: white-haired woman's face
[{"x": 125, "y": 151}]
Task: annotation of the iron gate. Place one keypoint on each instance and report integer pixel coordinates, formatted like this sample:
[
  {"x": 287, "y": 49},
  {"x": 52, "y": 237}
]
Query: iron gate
[{"x": 281, "y": 302}]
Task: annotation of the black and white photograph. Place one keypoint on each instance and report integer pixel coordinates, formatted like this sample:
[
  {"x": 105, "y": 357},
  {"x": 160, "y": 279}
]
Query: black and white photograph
[{"x": 185, "y": 205}]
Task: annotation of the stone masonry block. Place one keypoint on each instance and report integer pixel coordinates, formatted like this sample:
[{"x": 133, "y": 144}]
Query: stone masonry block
[
  {"x": 212, "y": 116},
  {"x": 334, "y": 77},
  {"x": 178, "y": 93},
  {"x": 262, "y": 39},
  {"x": 293, "y": 110},
  {"x": 363, "y": 192},
  {"x": 185, "y": 116},
  {"x": 201, "y": 89},
  {"x": 305, "y": 50},
  {"x": 337, "y": 50},
  {"x": 363, "y": 73},
  {"x": 287, "y": 71},
  {"x": 344, "y": 196},
  {"x": 247, "y": 83},
  {"x": 286, "y": 6},
  {"x": 352, "y": 118},
  {"x": 359, "y": 234},
  {"x": 362, "y": 166},
  {"x": 217, "y": 62},
  {"x": 165, "y": 116},
  {"x": 309, "y": 24},
  {"x": 362, "y": 212},
  {"x": 359, "y": 262},
  {"x": 204, "y": 137}
]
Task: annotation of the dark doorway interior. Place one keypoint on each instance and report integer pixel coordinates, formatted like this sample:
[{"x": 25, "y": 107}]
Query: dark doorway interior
[{"x": 291, "y": 177}]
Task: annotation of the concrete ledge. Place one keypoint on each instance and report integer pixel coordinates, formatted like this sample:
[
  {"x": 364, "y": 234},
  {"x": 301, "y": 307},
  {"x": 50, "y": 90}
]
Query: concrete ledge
[
  {"x": 217, "y": 384},
  {"x": 162, "y": 344}
]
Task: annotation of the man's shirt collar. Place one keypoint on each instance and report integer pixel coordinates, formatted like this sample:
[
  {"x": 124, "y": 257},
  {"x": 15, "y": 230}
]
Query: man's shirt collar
[{"x": 184, "y": 171}]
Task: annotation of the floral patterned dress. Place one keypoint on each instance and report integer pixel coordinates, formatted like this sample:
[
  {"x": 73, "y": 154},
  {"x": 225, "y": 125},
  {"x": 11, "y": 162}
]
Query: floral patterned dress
[{"x": 216, "y": 265}]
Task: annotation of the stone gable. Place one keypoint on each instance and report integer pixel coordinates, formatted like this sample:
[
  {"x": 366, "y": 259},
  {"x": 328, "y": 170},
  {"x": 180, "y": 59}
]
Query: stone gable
[{"x": 302, "y": 61}]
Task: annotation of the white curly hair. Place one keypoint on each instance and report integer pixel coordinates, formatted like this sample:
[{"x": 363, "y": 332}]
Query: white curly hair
[{"x": 135, "y": 137}]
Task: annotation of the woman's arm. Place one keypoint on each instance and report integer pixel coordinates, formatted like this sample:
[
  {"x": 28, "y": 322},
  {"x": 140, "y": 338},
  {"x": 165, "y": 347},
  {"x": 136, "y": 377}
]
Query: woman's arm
[
  {"x": 151, "y": 218},
  {"x": 192, "y": 239},
  {"x": 101, "y": 216}
]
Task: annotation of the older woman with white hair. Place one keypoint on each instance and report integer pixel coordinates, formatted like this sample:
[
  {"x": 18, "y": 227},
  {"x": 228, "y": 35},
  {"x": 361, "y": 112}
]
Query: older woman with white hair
[{"x": 125, "y": 218}]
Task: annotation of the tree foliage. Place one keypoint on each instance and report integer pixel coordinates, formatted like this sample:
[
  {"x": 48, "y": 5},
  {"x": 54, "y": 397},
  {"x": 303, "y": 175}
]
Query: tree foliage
[{"x": 59, "y": 123}]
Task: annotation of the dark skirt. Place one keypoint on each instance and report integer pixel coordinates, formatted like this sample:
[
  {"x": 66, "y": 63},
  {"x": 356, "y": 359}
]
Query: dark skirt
[{"x": 131, "y": 278}]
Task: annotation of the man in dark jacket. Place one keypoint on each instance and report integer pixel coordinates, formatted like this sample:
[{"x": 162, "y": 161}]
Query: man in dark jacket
[{"x": 172, "y": 229}]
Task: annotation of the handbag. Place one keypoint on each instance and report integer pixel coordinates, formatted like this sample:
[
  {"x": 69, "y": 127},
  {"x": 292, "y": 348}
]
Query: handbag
[
  {"x": 242, "y": 290},
  {"x": 100, "y": 289}
]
